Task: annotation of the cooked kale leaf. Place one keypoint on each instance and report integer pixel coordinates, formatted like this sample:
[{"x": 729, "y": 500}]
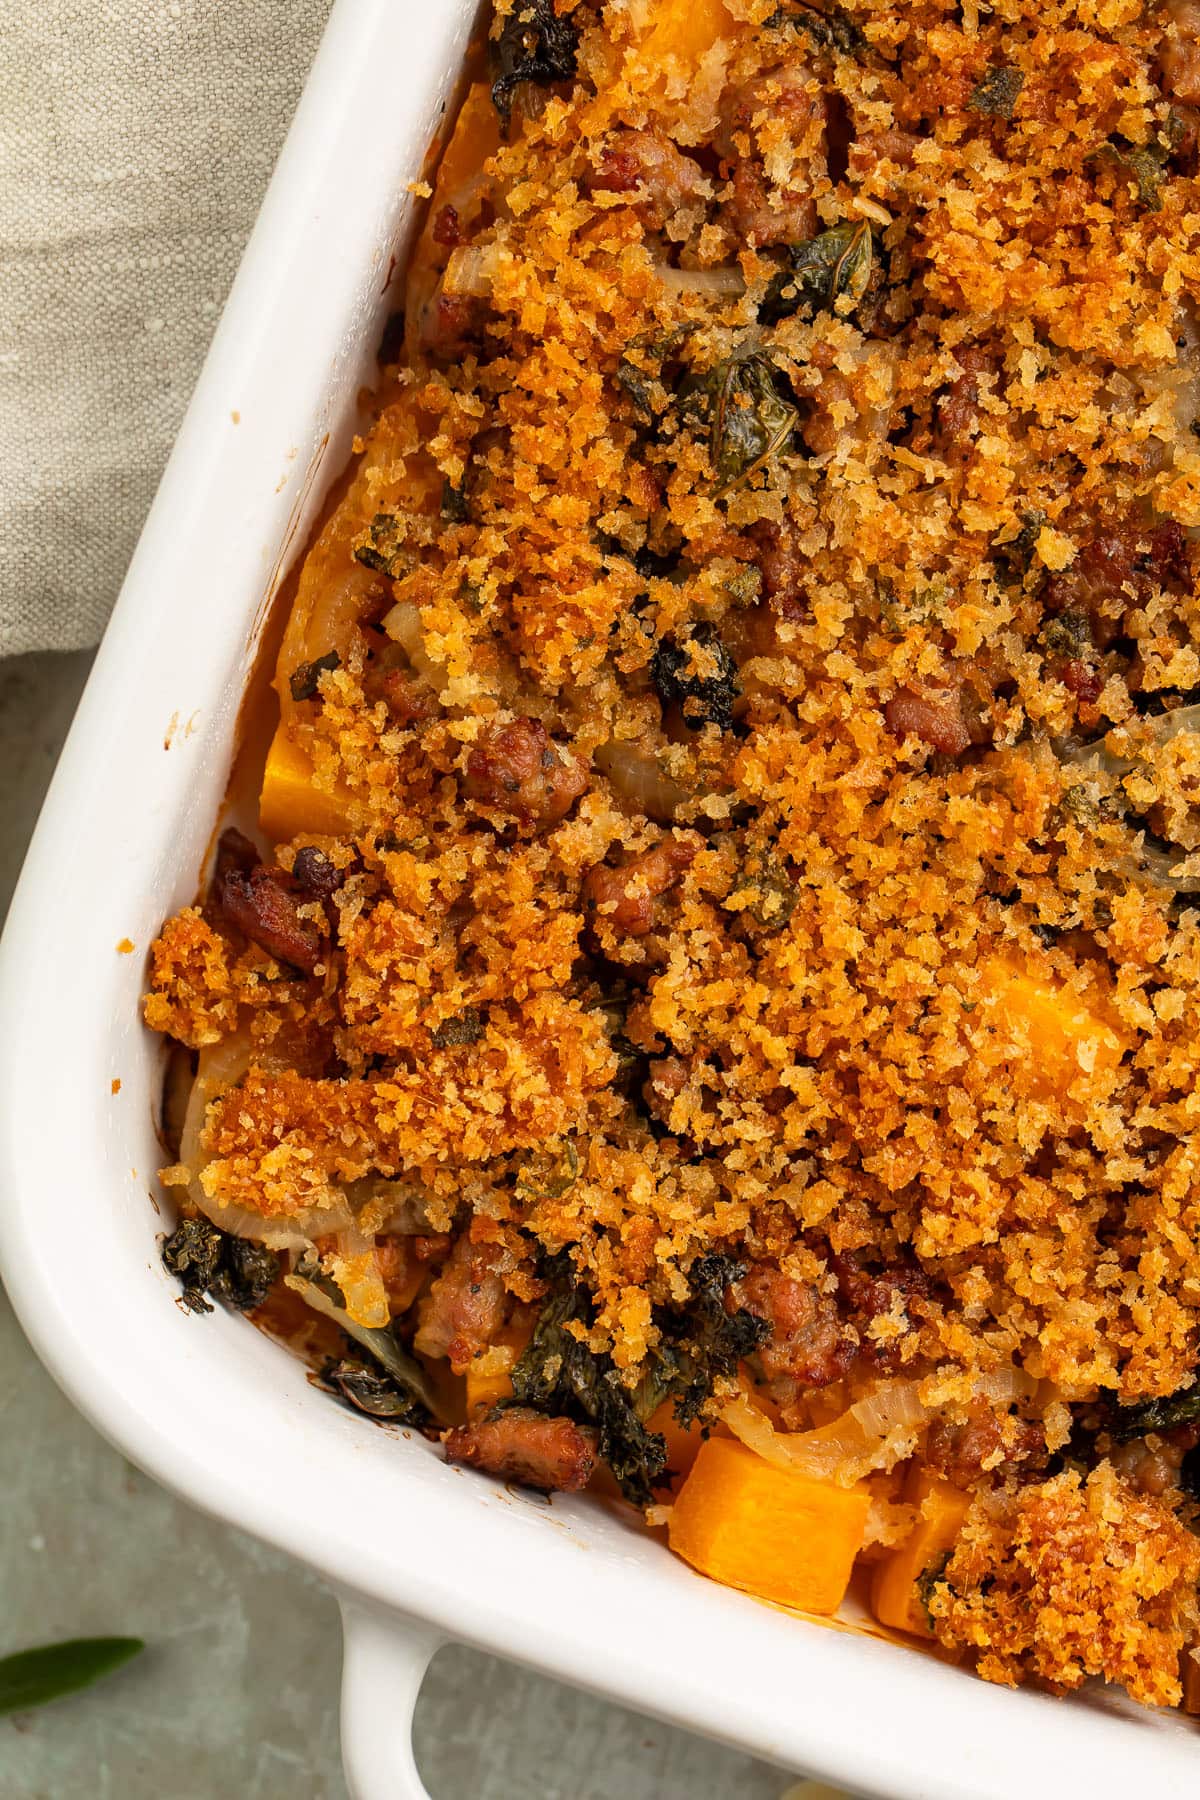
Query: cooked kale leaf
[
  {"x": 700, "y": 1341},
  {"x": 557, "y": 1374},
  {"x": 704, "y": 1339},
  {"x": 696, "y": 671},
  {"x": 207, "y": 1261},
  {"x": 829, "y": 30},
  {"x": 372, "y": 1392},
  {"x": 1145, "y": 163},
  {"x": 1164, "y": 1414},
  {"x": 463, "y": 1028},
  {"x": 749, "y": 418},
  {"x": 304, "y": 680},
  {"x": 534, "y": 45},
  {"x": 997, "y": 93},
  {"x": 383, "y": 546},
  {"x": 821, "y": 271}
]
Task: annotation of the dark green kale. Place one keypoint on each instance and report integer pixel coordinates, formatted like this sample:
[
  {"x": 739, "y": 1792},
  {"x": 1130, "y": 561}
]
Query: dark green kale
[
  {"x": 1144, "y": 163},
  {"x": 829, "y": 29},
  {"x": 205, "y": 1260},
  {"x": 929, "y": 1579},
  {"x": 534, "y": 45},
  {"x": 246, "y": 1274},
  {"x": 1068, "y": 634},
  {"x": 455, "y": 508},
  {"x": 1015, "y": 553},
  {"x": 304, "y": 681},
  {"x": 1182, "y": 1408},
  {"x": 700, "y": 1341},
  {"x": 465, "y": 1027},
  {"x": 558, "y": 1375},
  {"x": 697, "y": 672},
  {"x": 750, "y": 420},
  {"x": 372, "y": 1392},
  {"x": 997, "y": 93},
  {"x": 383, "y": 546},
  {"x": 703, "y": 1338},
  {"x": 835, "y": 266},
  {"x": 649, "y": 369},
  {"x": 773, "y": 893}
]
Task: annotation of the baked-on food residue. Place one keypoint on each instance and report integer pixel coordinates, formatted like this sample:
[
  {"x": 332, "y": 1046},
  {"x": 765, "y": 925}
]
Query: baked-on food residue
[{"x": 714, "y": 1003}]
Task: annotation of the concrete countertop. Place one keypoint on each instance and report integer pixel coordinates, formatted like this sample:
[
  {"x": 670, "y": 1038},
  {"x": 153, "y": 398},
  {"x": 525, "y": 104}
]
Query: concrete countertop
[{"x": 237, "y": 1693}]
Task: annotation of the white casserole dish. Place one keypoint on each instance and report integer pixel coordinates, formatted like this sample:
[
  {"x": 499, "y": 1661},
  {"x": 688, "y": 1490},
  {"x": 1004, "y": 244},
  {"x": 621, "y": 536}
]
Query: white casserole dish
[{"x": 416, "y": 1550}]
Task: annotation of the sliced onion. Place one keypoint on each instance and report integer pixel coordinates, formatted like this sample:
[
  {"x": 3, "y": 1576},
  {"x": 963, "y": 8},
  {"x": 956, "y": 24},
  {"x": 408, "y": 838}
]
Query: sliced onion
[
  {"x": 222, "y": 1066},
  {"x": 717, "y": 284},
  {"x": 404, "y": 1369},
  {"x": 638, "y": 778},
  {"x": 472, "y": 270},
  {"x": 402, "y": 623},
  {"x": 355, "y": 1268},
  {"x": 877, "y": 1432}
]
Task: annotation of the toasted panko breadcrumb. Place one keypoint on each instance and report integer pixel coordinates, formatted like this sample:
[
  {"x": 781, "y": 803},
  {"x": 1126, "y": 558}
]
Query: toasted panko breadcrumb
[{"x": 1072, "y": 1578}]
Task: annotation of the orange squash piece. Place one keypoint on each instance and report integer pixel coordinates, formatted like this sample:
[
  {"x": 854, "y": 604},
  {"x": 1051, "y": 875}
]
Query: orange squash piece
[
  {"x": 684, "y": 29},
  {"x": 771, "y": 1532},
  {"x": 290, "y": 802},
  {"x": 1044, "y": 1031},
  {"x": 896, "y": 1589}
]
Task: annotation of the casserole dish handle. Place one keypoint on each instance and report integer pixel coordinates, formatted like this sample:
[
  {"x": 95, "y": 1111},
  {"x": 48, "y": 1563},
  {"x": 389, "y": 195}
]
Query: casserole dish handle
[{"x": 384, "y": 1661}]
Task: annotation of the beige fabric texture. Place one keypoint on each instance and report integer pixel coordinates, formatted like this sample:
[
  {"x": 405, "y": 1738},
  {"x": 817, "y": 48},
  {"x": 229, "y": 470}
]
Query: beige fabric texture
[{"x": 136, "y": 139}]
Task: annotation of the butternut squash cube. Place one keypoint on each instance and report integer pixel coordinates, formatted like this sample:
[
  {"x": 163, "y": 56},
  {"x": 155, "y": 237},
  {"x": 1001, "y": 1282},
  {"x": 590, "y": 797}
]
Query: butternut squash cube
[
  {"x": 290, "y": 803},
  {"x": 768, "y": 1531},
  {"x": 1047, "y": 1033},
  {"x": 896, "y": 1597}
]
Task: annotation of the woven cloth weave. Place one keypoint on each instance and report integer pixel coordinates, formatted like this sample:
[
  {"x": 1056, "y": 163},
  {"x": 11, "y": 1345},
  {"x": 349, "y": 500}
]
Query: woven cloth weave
[{"x": 136, "y": 139}]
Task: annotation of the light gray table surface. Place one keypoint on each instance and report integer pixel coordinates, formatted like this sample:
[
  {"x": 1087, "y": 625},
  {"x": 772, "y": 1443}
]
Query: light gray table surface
[{"x": 237, "y": 1694}]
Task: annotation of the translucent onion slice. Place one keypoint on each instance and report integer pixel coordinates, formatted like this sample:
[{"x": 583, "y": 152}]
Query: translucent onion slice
[
  {"x": 404, "y": 1369},
  {"x": 877, "y": 1432},
  {"x": 355, "y": 1268},
  {"x": 638, "y": 778},
  {"x": 222, "y": 1066}
]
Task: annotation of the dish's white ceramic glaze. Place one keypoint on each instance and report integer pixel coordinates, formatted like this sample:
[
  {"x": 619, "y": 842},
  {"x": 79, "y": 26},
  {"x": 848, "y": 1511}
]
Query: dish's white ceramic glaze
[{"x": 417, "y": 1550}]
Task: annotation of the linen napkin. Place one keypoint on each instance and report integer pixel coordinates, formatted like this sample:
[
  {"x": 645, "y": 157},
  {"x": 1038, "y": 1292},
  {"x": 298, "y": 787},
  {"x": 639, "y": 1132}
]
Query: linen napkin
[{"x": 136, "y": 139}]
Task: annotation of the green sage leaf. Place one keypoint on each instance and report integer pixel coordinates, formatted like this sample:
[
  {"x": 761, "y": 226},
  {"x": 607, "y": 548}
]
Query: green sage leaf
[{"x": 35, "y": 1677}]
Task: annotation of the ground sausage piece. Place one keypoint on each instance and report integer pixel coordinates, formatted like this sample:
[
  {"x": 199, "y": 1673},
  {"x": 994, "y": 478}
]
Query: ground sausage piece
[
  {"x": 258, "y": 903},
  {"x": 759, "y": 211},
  {"x": 1082, "y": 679},
  {"x": 627, "y": 897},
  {"x": 1152, "y": 1465},
  {"x": 517, "y": 769},
  {"x": 958, "y": 409},
  {"x": 782, "y": 568},
  {"x": 889, "y": 1292},
  {"x": 938, "y": 717},
  {"x": 409, "y": 700},
  {"x": 314, "y": 874},
  {"x": 521, "y": 1445},
  {"x": 465, "y": 1307},
  {"x": 1180, "y": 55},
  {"x": 808, "y": 1346},
  {"x": 1119, "y": 570},
  {"x": 982, "y": 1444},
  {"x": 648, "y": 164},
  {"x": 234, "y": 851}
]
